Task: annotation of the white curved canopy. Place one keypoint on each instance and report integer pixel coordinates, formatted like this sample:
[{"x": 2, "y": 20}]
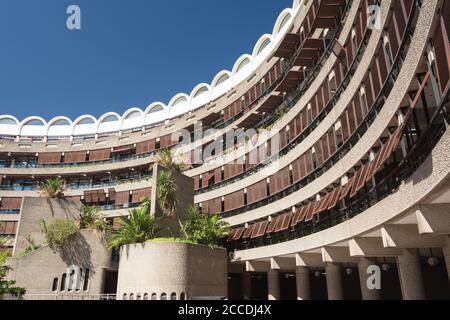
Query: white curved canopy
[{"x": 157, "y": 112}]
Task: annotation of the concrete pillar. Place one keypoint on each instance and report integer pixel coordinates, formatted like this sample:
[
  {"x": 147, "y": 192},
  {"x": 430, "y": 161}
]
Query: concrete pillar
[
  {"x": 334, "y": 281},
  {"x": 247, "y": 285},
  {"x": 273, "y": 285},
  {"x": 366, "y": 293},
  {"x": 303, "y": 284},
  {"x": 410, "y": 273}
]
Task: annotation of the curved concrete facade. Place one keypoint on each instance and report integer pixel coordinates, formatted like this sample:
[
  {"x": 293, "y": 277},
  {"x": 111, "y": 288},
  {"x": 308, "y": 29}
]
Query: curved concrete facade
[
  {"x": 158, "y": 270},
  {"x": 354, "y": 93}
]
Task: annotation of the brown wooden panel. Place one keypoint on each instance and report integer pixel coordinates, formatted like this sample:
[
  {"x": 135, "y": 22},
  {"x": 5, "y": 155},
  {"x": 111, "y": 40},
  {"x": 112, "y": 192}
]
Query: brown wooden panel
[
  {"x": 283, "y": 222},
  {"x": 100, "y": 155},
  {"x": 75, "y": 157},
  {"x": 145, "y": 147},
  {"x": 49, "y": 158},
  {"x": 122, "y": 197},
  {"x": 11, "y": 203}
]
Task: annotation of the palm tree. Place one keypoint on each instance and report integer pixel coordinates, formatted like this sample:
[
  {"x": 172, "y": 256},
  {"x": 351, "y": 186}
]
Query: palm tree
[
  {"x": 137, "y": 228},
  {"x": 166, "y": 189},
  {"x": 146, "y": 204},
  {"x": 166, "y": 158},
  {"x": 90, "y": 218},
  {"x": 53, "y": 188}
]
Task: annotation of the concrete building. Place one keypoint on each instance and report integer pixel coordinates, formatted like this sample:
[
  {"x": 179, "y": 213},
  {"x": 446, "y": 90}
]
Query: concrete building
[{"x": 346, "y": 196}]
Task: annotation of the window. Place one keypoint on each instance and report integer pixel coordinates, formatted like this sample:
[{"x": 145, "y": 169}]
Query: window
[
  {"x": 71, "y": 280},
  {"x": 125, "y": 297},
  {"x": 163, "y": 296},
  {"x": 173, "y": 296},
  {"x": 182, "y": 296},
  {"x": 145, "y": 296},
  {"x": 63, "y": 282},
  {"x": 153, "y": 296},
  {"x": 388, "y": 53},
  {"x": 55, "y": 285},
  {"x": 86, "y": 280},
  {"x": 138, "y": 296},
  {"x": 131, "y": 296}
]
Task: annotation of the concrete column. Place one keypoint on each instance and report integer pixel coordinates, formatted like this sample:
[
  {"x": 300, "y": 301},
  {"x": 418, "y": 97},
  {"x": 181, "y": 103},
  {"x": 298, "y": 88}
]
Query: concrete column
[
  {"x": 303, "y": 284},
  {"x": 334, "y": 281},
  {"x": 247, "y": 285},
  {"x": 446, "y": 251},
  {"x": 273, "y": 284},
  {"x": 410, "y": 273},
  {"x": 366, "y": 293}
]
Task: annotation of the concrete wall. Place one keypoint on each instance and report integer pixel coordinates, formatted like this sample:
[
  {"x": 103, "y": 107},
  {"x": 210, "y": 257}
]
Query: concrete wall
[
  {"x": 35, "y": 209},
  {"x": 157, "y": 268},
  {"x": 35, "y": 272},
  {"x": 185, "y": 195}
]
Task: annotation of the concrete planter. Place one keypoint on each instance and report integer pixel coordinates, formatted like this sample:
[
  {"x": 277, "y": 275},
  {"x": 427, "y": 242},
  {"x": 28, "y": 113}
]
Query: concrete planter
[{"x": 171, "y": 270}]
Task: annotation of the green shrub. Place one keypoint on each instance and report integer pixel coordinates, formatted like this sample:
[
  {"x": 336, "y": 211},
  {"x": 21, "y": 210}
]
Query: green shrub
[
  {"x": 59, "y": 232},
  {"x": 204, "y": 229}
]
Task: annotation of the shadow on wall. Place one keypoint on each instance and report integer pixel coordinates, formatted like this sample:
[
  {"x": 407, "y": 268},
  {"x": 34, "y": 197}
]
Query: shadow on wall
[{"x": 78, "y": 252}]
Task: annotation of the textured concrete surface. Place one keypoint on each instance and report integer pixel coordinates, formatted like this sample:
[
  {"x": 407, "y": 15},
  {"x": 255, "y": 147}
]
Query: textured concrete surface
[{"x": 157, "y": 268}]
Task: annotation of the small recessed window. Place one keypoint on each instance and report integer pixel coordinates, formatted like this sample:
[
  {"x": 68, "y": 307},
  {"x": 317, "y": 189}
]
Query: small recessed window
[
  {"x": 55, "y": 285},
  {"x": 63, "y": 282}
]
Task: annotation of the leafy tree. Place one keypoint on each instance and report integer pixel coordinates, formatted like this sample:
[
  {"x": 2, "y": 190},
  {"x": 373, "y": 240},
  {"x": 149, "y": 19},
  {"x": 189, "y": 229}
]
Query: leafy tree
[
  {"x": 166, "y": 189},
  {"x": 59, "y": 232},
  {"x": 204, "y": 229},
  {"x": 53, "y": 188},
  {"x": 7, "y": 286},
  {"x": 166, "y": 158},
  {"x": 138, "y": 227},
  {"x": 90, "y": 218}
]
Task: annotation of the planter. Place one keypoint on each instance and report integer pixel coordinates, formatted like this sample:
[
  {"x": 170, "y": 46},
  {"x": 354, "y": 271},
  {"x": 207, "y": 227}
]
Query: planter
[{"x": 172, "y": 271}]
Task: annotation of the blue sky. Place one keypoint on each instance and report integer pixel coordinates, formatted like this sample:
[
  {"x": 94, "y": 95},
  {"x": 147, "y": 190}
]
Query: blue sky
[{"x": 128, "y": 53}]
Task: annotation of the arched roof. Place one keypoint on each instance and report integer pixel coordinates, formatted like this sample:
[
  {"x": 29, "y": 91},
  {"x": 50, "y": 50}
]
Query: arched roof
[{"x": 179, "y": 104}]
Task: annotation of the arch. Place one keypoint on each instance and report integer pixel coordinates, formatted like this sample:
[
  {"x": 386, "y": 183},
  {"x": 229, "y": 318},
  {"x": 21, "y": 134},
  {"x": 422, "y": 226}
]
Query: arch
[
  {"x": 155, "y": 107},
  {"x": 220, "y": 78},
  {"x": 178, "y": 100},
  {"x": 154, "y": 296},
  {"x": 33, "y": 126},
  {"x": 182, "y": 296},
  {"x": 163, "y": 296},
  {"x": 9, "y": 120},
  {"x": 59, "y": 126},
  {"x": 85, "y": 119},
  {"x": 34, "y": 121},
  {"x": 55, "y": 285},
  {"x": 145, "y": 296},
  {"x": 85, "y": 124},
  {"x": 173, "y": 296},
  {"x": 297, "y": 3},
  {"x": 63, "y": 282},
  {"x": 132, "y": 113},
  {"x": 86, "y": 280},
  {"x": 109, "y": 117},
  {"x": 262, "y": 44},
  {"x": 241, "y": 63},
  {"x": 200, "y": 90},
  {"x": 109, "y": 122},
  {"x": 282, "y": 21},
  {"x": 125, "y": 296}
]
